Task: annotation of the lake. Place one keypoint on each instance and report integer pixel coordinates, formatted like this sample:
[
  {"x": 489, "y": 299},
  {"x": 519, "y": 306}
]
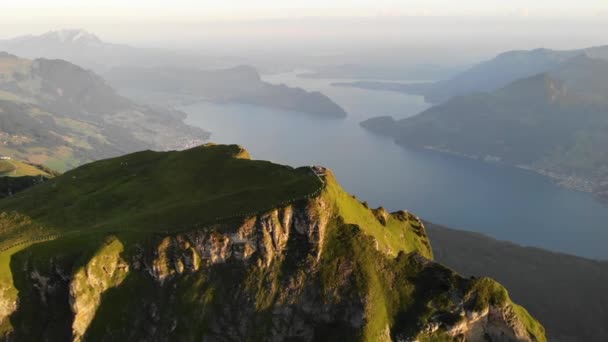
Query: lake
[{"x": 500, "y": 201}]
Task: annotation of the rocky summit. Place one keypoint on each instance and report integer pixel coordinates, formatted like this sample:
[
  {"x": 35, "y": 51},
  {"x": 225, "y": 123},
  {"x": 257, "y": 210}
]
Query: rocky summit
[{"x": 209, "y": 245}]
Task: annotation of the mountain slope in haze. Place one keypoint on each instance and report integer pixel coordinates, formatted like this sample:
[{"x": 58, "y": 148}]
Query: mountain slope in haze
[
  {"x": 498, "y": 72},
  {"x": 89, "y": 51},
  {"x": 132, "y": 248},
  {"x": 58, "y": 114},
  {"x": 567, "y": 293},
  {"x": 555, "y": 123},
  {"x": 16, "y": 176},
  {"x": 167, "y": 77},
  {"x": 241, "y": 84},
  {"x": 382, "y": 72},
  {"x": 16, "y": 168},
  {"x": 487, "y": 76}
]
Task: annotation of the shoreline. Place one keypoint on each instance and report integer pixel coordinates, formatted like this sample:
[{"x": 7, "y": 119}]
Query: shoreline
[{"x": 565, "y": 181}]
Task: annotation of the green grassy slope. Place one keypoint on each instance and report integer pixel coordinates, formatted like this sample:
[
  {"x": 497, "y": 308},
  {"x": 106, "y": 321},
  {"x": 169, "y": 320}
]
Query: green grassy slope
[
  {"x": 154, "y": 192},
  {"x": 401, "y": 232},
  {"x": 115, "y": 225},
  {"x": 15, "y": 168}
]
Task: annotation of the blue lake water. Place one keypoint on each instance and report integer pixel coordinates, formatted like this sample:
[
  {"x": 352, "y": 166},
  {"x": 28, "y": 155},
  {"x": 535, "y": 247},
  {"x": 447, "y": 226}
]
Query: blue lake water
[{"x": 500, "y": 201}]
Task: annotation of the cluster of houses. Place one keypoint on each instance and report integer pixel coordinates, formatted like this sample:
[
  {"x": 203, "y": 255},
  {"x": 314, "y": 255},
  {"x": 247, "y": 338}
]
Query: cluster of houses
[{"x": 5, "y": 158}]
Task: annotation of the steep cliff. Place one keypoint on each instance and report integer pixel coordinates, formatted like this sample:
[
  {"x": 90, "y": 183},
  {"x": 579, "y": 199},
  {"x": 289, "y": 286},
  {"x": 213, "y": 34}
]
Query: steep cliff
[{"x": 298, "y": 259}]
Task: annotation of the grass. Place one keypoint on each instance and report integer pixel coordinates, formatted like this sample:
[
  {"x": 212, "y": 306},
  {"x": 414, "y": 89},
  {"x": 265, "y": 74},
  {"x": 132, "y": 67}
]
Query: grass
[
  {"x": 14, "y": 168},
  {"x": 155, "y": 192},
  {"x": 370, "y": 262},
  {"x": 532, "y": 325},
  {"x": 488, "y": 292},
  {"x": 398, "y": 235},
  {"x": 215, "y": 180},
  {"x": 361, "y": 239},
  {"x": 6, "y": 96},
  {"x": 401, "y": 294},
  {"x": 404, "y": 293},
  {"x": 343, "y": 251},
  {"x": 7, "y": 167}
]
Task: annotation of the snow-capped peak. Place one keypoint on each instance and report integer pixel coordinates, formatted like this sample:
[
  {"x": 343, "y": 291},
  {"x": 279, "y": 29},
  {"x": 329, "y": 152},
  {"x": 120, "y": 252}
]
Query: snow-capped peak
[{"x": 74, "y": 36}]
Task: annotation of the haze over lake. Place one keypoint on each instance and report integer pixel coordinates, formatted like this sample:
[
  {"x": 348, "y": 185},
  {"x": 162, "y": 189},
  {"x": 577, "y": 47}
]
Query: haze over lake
[{"x": 508, "y": 203}]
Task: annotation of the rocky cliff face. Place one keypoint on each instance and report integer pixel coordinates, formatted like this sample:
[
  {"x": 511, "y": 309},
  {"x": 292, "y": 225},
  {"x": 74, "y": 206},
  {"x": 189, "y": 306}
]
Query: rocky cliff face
[
  {"x": 268, "y": 277},
  {"x": 320, "y": 268}
]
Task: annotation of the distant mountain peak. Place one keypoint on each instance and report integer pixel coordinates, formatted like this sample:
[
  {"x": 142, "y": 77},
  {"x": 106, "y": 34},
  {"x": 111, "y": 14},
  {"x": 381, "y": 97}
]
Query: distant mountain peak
[
  {"x": 247, "y": 72},
  {"x": 6, "y": 55},
  {"x": 541, "y": 53},
  {"x": 71, "y": 36}
]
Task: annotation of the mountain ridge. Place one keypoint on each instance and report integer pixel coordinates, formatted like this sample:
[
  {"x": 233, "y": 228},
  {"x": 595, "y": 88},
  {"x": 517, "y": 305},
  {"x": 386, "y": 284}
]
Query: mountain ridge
[
  {"x": 489, "y": 75},
  {"x": 167, "y": 78},
  {"x": 318, "y": 267},
  {"x": 552, "y": 123},
  {"x": 240, "y": 84},
  {"x": 58, "y": 114},
  {"x": 63, "y": 36},
  {"x": 86, "y": 49}
]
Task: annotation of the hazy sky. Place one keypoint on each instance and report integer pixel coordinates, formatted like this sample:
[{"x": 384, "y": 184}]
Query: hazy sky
[
  {"x": 467, "y": 28},
  {"x": 231, "y": 9}
]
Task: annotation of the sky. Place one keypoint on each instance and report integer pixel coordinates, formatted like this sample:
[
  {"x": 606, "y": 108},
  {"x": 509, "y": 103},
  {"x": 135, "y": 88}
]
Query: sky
[
  {"x": 258, "y": 9},
  {"x": 473, "y": 28}
]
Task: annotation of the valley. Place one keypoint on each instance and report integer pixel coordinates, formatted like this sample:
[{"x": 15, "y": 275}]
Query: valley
[{"x": 303, "y": 171}]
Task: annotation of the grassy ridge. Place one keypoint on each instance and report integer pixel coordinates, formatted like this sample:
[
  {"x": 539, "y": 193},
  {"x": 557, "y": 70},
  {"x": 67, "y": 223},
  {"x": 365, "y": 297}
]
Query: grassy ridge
[
  {"x": 154, "y": 192},
  {"x": 398, "y": 234},
  {"x": 370, "y": 262},
  {"x": 14, "y": 168},
  {"x": 407, "y": 292}
]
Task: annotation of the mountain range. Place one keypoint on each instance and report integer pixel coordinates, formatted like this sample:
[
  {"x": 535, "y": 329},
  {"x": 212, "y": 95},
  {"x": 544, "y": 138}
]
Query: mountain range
[
  {"x": 206, "y": 244},
  {"x": 487, "y": 76},
  {"x": 90, "y": 52},
  {"x": 554, "y": 123},
  {"x": 60, "y": 115},
  {"x": 241, "y": 84},
  {"x": 166, "y": 77}
]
